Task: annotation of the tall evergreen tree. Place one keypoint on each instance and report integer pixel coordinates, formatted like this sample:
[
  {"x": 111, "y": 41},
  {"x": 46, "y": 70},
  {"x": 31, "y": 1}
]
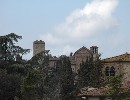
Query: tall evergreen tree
[
  {"x": 90, "y": 73},
  {"x": 98, "y": 78},
  {"x": 66, "y": 78}
]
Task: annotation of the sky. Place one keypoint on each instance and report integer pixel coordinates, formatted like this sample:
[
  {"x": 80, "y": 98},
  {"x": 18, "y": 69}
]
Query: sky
[{"x": 67, "y": 25}]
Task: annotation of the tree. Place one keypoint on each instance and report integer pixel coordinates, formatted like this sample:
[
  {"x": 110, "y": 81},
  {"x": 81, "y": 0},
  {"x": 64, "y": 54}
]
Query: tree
[
  {"x": 98, "y": 78},
  {"x": 115, "y": 84},
  {"x": 9, "y": 85},
  {"x": 58, "y": 82},
  {"x": 29, "y": 86},
  {"x": 66, "y": 78},
  {"x": 11, "y": 70},
  {"x": 90, "y": 73},
  {"x": 40, "y": 62},
  {"x": 9, "y": 51}
]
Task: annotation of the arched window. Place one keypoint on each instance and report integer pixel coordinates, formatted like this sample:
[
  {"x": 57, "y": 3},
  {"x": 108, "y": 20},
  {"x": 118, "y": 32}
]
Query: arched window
[
  {"x": 112, "y": 71},
  {"x": 107, "y": 71}
]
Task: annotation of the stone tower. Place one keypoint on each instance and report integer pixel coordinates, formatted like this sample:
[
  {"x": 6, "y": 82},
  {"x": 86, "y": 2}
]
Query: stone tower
[
  {"x": 94, "y": 50},
  {"x": 38, "y": 46}
]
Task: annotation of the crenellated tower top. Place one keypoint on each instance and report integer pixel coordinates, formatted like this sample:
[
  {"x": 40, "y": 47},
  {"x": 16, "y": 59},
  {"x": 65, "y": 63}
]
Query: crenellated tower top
[{"x": 38, "y": 46}]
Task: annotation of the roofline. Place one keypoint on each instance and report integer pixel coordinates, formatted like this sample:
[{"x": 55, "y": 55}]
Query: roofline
[
  {"x": 117, "y": 56},
  {"x": 81, "y": 48},
  {"x": 93, "y": 95},
  {"x": 115, "y": 61}
]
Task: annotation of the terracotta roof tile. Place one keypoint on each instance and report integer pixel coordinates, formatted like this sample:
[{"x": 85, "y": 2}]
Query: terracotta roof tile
[
  {"x": 100, "y": 91},
  {"x": 93, "y": 91},
  {"x": 123, "y": 57}
]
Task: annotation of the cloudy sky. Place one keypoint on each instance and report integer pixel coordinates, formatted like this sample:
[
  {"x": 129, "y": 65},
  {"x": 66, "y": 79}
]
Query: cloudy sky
[{"x": 67, "y": 25}]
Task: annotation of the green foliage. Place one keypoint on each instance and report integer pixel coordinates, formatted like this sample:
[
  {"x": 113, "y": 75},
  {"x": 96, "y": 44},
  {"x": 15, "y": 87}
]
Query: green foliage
[
  {"x": 40, "y": 63},
  {"x": 98, "y": 74},
  {"x": 33, "y": 79},
  {"x": 116, "y": 91},
  {"x": 28, "y": 86},
  {"x": 17, "y": 69},
  {"x": 66, "y": 77},
  {"x": 90, "y": 73},
  {"x": 9, "y": 85},
  {"x": 126, "y": 95},
  {"x": 8, "y": 49},
  {"x": 11, "y": 70},
  {"x": 115, "y": 84}
]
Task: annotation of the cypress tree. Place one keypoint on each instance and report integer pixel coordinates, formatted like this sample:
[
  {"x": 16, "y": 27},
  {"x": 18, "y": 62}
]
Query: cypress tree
[
  {"x": 90, "y": 73},
  {"x": 66, "y": 78}
]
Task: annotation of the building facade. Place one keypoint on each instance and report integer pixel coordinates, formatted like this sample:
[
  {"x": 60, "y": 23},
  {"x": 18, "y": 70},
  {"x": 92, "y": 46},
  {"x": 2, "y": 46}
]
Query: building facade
[
  {"x": 39, "y": 47},
  {"x": 111, "y": 66},
  {"x": 81, "y": 55},
  {"x": 117, "y": 65}
]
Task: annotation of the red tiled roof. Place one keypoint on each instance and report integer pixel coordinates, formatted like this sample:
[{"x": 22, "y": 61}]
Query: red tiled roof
[
  {"x": 93, "y": 91},
  {"x": 123, "y": 57},
  {"x": 100, "y": 91}
]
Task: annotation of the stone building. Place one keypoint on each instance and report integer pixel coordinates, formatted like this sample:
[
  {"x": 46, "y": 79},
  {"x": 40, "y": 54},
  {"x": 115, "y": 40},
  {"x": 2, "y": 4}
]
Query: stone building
[
  {"x": 112, "y": 66},
  {"x": 98, "y": 93},
  {"x": 117, "y": 65},
  {"x": 39, "y": 47},
  {"x": 81, "y": 55},
  {"x": 76, "y": 59}
]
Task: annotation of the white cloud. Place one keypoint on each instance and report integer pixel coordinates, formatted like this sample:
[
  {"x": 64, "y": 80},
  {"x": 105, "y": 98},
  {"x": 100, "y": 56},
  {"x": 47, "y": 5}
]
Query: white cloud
[
  {"x": 82, "y": 24},
  {"x": 50, "y": 39},
  {"x": 92, "y": 19}
]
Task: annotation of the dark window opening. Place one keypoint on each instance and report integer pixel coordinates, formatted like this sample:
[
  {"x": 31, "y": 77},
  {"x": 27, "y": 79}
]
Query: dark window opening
[{"x": 112, "y": 71}]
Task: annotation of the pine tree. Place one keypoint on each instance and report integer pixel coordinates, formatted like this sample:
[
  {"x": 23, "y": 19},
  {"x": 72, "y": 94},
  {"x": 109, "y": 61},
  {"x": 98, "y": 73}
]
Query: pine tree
[{"x": 98, "y": 79}]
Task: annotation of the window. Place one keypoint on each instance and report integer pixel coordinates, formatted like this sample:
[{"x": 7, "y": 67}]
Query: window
[{"x": 112, "y": 71}]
